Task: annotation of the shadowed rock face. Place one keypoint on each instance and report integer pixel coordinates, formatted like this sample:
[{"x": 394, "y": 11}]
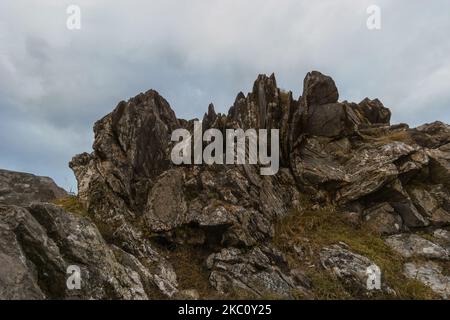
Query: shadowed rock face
[
  {"x": 390, "y": 179},
  {"x": 22, "y": 188}
]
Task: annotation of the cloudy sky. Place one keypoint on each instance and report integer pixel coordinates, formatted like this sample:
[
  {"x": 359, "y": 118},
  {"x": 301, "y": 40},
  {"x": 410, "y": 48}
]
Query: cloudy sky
[{"x": 55, "y": 83}]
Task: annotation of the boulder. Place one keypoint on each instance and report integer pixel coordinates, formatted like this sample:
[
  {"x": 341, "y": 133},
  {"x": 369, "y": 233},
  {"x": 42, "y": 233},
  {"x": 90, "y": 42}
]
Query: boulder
[
  {"x": 352, "y": 269},
  {"x": 17, "y": 188},
  {"x": 18, "y": 280},
  {"x": 383, "y": 219},
  {"x": 319, "y": 89},
  {"x": 375, "y": 111}
]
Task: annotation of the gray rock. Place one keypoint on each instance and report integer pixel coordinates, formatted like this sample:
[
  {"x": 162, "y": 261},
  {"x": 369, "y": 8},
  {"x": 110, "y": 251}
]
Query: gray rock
[
  {"x": 412, "y": 245},
  {"x": 429, "y": 206},
  {"x": 319, "y": 89},
  {"x": 162, "y": 279},
  {"x": 432, "y": 135},
  {"x": 374, "y": 111},
  {"x": 383, "y": 219},
  {"x": 43, "y": 242},
  {"x": 18, "y": 277},
  {"x": 350, "y": 268},
  {"x": 341, "y": 154},
  {"x": 440, "y": 165},
  {"x": 17, "y": 188},
  {"x": 399, "y": 199},
  {"x": 258, "y": 272},
  {"x": 430, "y": 274},
  {"x": 209, "y": 118},
  {"x": 370, "y": 169},
  {"x": 442, "y": 234},
  {"x": 189, "y": 294},
  {"x": 333, "y": 120}
]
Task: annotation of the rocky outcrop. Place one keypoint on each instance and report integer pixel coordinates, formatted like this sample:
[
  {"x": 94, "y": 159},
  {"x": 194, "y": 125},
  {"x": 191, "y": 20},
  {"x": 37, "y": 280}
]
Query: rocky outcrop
[
  {"x": 392, "y": 178},
  {"x": 140, "y": 207},
  {"x": 38, "y": 246},
  {"x": 22, "y": 188}
]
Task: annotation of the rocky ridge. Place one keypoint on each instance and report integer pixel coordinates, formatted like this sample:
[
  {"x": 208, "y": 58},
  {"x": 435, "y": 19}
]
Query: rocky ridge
[{"x": 140, "y": 212}]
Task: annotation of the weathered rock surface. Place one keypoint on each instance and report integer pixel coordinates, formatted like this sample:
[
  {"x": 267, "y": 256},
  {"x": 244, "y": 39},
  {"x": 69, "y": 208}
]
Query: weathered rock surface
[
  {"x": 412, "y": 245},
  {"x": 383, "y": 219},
  {"x": 39, "y": 244},
  {"x": 430, "y": 274},
  {"x": 262, "y": 271},
  {"x": 391, "y": 179},
  {"x": 19, "y": 188},
  {"x": 352, "y": 269},
  {"x": 341, "y": 153}
]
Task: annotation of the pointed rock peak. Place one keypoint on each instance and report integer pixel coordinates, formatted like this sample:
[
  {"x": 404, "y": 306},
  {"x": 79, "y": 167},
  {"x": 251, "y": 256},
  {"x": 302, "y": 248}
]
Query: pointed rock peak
[
  {"x": 210, "y": 117},
  {"x": 211, "y": 110},
  {"x": 319, "y": 89},
  {"x": 263, "y": 81}
]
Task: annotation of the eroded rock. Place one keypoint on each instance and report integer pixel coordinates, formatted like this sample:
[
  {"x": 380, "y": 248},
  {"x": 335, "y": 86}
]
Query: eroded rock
[
  {"x": 383, "y": 219},
  {"x": 412, "y": 245},
  {"x": 45, "y": 241},
  {"x": 352, "y": 269},
  {"x": 341, "y": 154},
  {"x": 260, "y": 272}
]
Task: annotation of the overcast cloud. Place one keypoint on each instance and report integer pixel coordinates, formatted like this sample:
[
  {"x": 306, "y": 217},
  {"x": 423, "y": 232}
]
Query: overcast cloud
[{"x": 55, "y": 83}]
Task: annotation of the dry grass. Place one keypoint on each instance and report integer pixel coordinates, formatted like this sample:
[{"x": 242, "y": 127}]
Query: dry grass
[
  {"x": 326, "y": 226},
  {"x": 399, "y": 135},
  {"x": 72, "y": 204}
]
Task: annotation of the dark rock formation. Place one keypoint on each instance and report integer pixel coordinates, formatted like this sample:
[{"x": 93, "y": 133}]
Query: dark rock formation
[{"x": 140, "y": 206}]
